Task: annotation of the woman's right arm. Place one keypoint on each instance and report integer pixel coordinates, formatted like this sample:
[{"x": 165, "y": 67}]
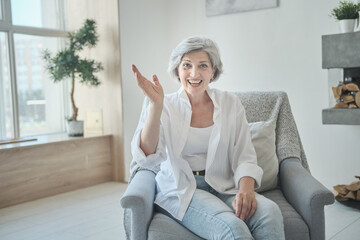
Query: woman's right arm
[{"x": 149, "y": 137}]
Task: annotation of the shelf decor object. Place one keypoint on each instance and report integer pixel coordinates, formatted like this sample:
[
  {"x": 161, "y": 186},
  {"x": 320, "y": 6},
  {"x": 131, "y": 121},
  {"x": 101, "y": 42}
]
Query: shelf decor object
[
  {"x": 341, "y": 52},
  {"x": 346, "y": 13}
]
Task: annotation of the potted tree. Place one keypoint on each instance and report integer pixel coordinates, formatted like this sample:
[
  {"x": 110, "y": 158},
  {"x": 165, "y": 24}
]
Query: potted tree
[
  {"x": 67, "y": 64},
  {"x": 346, "y": 13}
]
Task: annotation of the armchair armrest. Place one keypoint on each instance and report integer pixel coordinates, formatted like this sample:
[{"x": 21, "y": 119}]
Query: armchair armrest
[
  {"x": 139, "y": 198},
  {"x": 307, "y": 195}
]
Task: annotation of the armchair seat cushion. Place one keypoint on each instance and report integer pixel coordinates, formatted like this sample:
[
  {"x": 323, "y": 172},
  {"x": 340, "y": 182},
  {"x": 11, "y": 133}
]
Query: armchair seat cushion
[{"x": 294, "y": 224}]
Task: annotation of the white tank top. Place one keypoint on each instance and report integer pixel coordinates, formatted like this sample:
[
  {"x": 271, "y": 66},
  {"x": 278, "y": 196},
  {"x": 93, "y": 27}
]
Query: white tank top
[{"x": 196, "y": 147}]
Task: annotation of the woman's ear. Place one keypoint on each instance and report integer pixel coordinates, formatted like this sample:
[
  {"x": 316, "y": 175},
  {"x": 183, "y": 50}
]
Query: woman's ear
[{"x": 213, "y": 73}]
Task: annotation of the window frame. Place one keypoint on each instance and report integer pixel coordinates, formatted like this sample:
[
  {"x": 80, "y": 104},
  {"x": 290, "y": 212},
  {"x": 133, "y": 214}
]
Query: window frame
[{"x": 10, "y": 29}]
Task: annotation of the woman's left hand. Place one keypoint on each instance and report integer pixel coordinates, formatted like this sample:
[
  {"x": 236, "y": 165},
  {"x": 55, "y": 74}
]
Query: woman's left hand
[{"x": 244, "y": 202}]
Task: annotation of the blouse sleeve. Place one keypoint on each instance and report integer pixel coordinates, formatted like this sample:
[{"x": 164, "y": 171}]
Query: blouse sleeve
[
  {"x": 245, "y": 159},
  {"x": 152, "y": 160}
]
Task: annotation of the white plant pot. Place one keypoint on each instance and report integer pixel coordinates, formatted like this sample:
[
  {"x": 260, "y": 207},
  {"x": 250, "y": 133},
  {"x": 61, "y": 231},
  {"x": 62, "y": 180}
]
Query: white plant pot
[
  {"x": 347, "y": 25},
  {"x": 357, "y": 25},
  {"x": 75, "y": 128}
]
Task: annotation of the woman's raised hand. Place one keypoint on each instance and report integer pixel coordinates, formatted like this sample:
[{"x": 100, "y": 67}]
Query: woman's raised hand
[
  {"x": 150, "y": 133},
  {"x": 153, "y": 91}
]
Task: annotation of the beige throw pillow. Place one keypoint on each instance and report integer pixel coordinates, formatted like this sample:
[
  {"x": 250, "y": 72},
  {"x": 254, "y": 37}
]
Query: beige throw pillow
[{"x": 263, "y": 139}]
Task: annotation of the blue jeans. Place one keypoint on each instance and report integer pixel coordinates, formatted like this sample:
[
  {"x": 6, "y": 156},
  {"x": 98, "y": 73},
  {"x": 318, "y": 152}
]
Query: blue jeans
[{"x": 210, "y": 215}]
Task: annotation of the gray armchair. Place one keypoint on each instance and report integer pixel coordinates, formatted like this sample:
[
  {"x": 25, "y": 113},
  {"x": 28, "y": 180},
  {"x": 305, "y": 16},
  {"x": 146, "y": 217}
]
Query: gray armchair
[{"x": 300, "y": 196}]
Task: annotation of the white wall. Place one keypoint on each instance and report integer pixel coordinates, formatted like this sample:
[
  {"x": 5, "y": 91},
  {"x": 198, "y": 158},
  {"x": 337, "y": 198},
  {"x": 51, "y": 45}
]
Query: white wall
[{"x": 272, "y": 49}]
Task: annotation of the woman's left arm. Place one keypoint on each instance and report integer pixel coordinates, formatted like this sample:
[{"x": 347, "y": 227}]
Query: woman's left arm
[
  {"x": 244, "y": 202},
  {"x": 247, "y": 174}
]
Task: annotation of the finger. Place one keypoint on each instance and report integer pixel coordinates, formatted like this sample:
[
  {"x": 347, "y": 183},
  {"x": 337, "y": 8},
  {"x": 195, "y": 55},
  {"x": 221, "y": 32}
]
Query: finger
[
  {"x": 134, "y": 68},
  {"x": 235, "y": 207},
  {"x": 139, "y": 78},
  {"x": 248, "y": 210},
  {"x": 253, "y": 209},
  {"x": 250, "y": 201},
  {"x": 136, "y": 71},
  {"x": 244, "y": 210},
  {"x": 156, "y": 80},
  {"x": 239, "y": 204}
]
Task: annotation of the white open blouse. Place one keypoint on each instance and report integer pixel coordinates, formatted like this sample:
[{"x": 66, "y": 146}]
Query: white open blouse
[{"x": 230, "y": 155}]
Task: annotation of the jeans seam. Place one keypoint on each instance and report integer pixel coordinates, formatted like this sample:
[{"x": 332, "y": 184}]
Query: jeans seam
[{"x": 214, "y": 216}]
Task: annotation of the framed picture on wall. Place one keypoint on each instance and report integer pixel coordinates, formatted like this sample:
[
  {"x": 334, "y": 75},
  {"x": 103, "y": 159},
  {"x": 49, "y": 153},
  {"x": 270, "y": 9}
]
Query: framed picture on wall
[{"x": 220, "y": 7}]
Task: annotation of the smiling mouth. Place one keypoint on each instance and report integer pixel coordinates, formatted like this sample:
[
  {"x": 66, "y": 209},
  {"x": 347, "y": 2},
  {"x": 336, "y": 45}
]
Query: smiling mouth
[{"x": 194, "y": 83}]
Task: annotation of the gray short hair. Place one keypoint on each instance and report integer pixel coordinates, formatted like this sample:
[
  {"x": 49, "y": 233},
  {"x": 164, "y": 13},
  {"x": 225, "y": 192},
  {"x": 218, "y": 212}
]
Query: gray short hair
[{"x": 195, "y": 44}]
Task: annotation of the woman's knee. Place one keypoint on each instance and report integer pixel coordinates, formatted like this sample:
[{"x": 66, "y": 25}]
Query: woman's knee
[
  {"x": 267, "y": 222},
  {"x": 235, "y": 228},
  {"x": 273, "y": 211},
  {"x": 269, "y": 210}
]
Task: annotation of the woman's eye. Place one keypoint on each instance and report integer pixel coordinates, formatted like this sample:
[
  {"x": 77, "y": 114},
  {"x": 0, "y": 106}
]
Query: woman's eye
[
  {"x": 186, "y": 65},
  {"x": 203, "y": 65}
]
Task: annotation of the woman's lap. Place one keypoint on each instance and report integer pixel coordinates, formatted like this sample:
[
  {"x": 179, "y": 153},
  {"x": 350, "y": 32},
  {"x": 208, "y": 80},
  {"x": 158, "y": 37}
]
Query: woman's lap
[{"x": 210, "y": 215}]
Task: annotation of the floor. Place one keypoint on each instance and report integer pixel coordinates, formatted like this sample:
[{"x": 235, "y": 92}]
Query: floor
[
  {"x": 90, "y": 213},
  {"x": 95, "y": 213}
]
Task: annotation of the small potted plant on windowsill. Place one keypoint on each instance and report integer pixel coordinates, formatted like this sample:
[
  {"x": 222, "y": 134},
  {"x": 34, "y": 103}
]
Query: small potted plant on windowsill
[
  {"x": 67, "y": 64},
  {"x": 346, "y": 13}
]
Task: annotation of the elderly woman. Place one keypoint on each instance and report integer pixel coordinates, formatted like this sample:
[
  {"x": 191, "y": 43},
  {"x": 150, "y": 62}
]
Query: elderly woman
[{"x": 201, "y": 139}]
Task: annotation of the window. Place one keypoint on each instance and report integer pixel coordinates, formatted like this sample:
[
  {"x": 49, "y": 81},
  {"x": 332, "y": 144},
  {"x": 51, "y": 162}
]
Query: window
[
  {"x": 5, "y": 100},
  {"x": 43, "y": 14},
  {"x": 30, "y": 103}
]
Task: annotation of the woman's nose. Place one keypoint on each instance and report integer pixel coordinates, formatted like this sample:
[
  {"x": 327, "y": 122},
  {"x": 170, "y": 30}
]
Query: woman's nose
[{"x": 194, "y": 72}]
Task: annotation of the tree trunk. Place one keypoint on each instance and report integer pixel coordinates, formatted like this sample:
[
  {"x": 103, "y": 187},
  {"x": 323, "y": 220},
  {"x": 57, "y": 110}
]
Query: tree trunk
[{"x": 74, "y": 108}]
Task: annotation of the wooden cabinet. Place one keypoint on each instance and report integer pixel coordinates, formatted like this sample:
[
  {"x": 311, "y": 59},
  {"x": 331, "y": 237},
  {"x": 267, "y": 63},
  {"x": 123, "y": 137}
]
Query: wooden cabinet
[{"x": 45, "y": 169}]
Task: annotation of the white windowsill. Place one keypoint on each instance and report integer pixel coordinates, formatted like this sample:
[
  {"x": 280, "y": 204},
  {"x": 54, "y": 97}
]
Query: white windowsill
[{"x": 46, "y": 139}]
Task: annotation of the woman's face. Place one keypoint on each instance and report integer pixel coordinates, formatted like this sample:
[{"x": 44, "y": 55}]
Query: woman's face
[{"x": 195, "y": 72}]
